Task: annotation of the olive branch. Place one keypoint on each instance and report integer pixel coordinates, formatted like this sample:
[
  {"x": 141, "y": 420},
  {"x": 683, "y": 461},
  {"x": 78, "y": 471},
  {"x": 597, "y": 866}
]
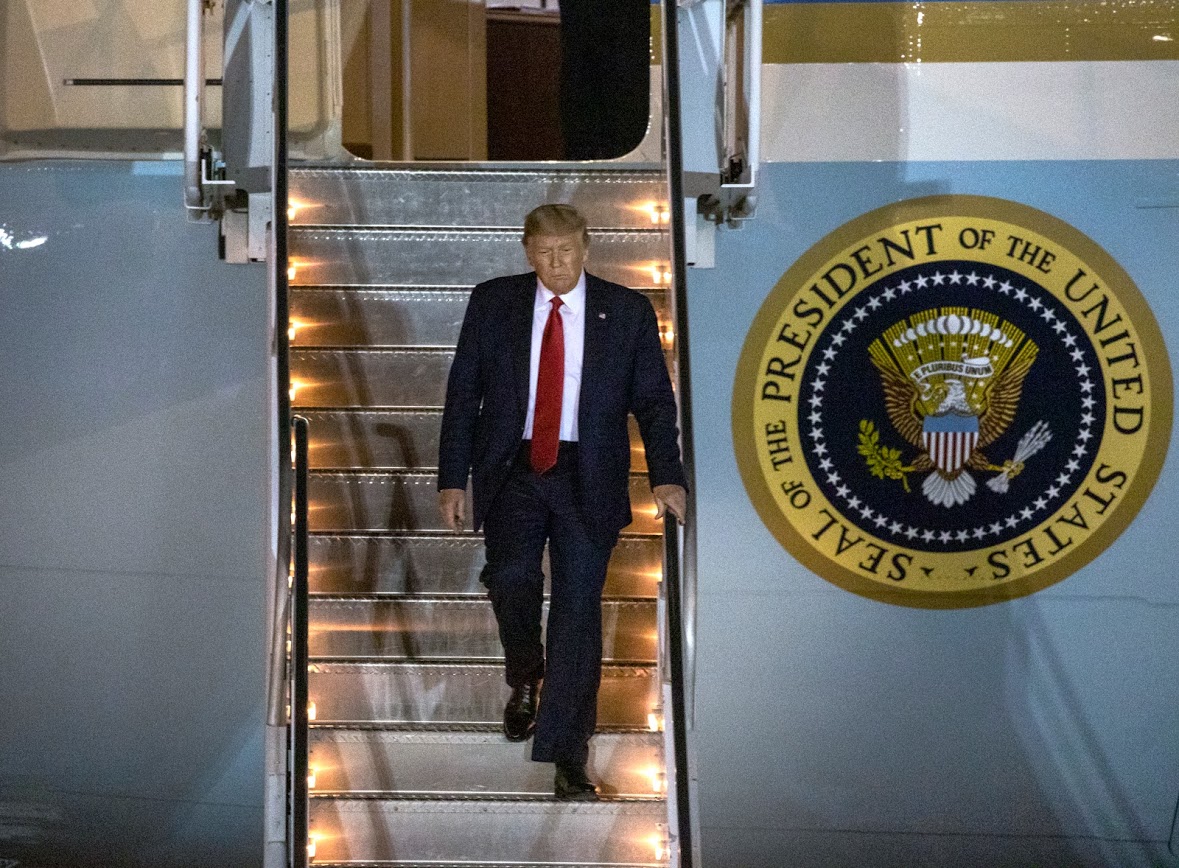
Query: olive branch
[{"x": 883, "y": 462}]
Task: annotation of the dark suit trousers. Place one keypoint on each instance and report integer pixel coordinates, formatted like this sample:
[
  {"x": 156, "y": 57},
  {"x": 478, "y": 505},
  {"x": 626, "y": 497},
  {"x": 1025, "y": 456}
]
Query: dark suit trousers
[{"x": 529, "y": 511}]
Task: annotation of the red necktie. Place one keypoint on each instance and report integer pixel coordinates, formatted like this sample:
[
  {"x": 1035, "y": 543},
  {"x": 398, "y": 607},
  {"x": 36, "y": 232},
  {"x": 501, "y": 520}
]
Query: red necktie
[{"x": 550, "y": 385}]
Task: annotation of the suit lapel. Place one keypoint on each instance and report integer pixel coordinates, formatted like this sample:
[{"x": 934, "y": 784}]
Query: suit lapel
[
  {"x": 520, "y": 336},
  {"x": 597, "y": 325}
]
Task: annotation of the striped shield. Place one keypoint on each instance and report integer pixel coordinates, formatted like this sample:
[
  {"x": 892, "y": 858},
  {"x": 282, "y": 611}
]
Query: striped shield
[{"x": 949, "y": 439}]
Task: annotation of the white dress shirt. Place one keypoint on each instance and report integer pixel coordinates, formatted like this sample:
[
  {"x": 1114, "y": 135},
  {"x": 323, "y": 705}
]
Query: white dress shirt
[{"x": 572, "y": 313}]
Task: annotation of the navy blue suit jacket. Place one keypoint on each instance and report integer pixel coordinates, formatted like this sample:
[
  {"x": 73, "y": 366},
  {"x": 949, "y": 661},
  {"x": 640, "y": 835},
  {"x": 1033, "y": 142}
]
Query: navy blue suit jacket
[{"x": 623, "y": 371}]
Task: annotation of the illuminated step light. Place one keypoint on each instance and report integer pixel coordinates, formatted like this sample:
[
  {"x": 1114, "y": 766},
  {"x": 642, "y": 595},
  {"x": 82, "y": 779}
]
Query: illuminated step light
[
  {"x": 660, "y": 214},
  {"x": 311, "y": 842},
  {"x": 658, "y": 778},
  {"x": 660, "y": 844},
  {"x": 311, "y": 710},
  {"x": 660, "y": 274},
  {"x": 311, "y": 778},
  {"x": 294, "y": 206},
  {"x": 292, "y": 269},
  {"x": 667, "y": 336},
  {"x": 292, "y": 328},
  {"x": 655, "y": 722}
]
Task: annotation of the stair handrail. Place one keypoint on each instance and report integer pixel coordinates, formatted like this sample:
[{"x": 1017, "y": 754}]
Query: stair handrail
[
  {"x": 299, "y": 715},
  {"x": 286, "y": 678},
  {"x": 277, "y": 264},
  {"x": 293, "y": 536},
  {"x": 679, "y": 573},
  {"x": 675, "y": 675}
]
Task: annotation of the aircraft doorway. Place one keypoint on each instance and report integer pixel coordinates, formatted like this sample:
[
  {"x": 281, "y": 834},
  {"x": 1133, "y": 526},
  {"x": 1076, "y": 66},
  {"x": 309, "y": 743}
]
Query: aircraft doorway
[{"x": 499, "y": 80}]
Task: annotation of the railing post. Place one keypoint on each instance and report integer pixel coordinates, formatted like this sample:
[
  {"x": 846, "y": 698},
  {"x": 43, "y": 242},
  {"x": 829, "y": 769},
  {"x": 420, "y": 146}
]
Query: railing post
[
  {"x": 299, "y": 655},
  {"x": 194, "y": 97},
  {"x": 675, "y": 646}
]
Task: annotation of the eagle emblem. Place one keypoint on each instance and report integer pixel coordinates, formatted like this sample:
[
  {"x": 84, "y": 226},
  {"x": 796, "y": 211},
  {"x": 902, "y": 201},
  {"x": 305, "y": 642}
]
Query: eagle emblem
[{"x": 952, "y": 380}]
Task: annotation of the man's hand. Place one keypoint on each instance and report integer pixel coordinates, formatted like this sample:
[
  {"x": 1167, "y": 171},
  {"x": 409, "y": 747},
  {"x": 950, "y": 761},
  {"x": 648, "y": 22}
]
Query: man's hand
[
  {"x": 673, "y": 499},
  {"x": 452, "y": 504}
]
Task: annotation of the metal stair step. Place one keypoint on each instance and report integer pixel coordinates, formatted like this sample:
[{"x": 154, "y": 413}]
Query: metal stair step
[
  {"x": 388, "y": 316},
  {"x": 450, "y": 564},
  {"x": 444, "y": 727},
  {"x": 446, "y": 628},
  {"x": 415, "y": 197},
  {"x": 447, "y": 258},
  {"x": 363, "y": 831},
  {"x": 369, "y": 378},
  {"x": 394, "y": 439},
  {"x": 474, "y": 764},
  {"x": 515, "y": 863},
  {"x": 390, "y": 377},
  {"x": 457, "y": 692},
  {"x": 391, "y": 316},
  {"x": 343, "y": 501}
]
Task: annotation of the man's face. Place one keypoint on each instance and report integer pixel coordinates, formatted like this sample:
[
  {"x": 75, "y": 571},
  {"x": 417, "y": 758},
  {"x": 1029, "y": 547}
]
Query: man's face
[{"x": 557, "y": 260}]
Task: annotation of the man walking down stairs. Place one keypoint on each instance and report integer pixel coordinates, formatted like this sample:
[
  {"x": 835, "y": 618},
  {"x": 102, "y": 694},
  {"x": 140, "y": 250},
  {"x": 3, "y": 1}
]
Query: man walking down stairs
[{"x": 549, "y": 457}]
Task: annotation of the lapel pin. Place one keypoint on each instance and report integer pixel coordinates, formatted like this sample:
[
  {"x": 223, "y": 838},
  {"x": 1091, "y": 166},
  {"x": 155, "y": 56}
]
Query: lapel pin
[{"x": 601, "y": 316}]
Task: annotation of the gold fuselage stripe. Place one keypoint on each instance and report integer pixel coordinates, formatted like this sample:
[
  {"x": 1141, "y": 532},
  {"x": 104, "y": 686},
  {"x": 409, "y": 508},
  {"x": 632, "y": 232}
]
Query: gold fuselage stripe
[{"x": 988, "y": 31}]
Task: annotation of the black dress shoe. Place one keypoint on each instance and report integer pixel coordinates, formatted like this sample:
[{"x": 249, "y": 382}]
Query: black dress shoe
[
  {"x": 520, "y": 712},
  {"x": 572, "y": 784}
]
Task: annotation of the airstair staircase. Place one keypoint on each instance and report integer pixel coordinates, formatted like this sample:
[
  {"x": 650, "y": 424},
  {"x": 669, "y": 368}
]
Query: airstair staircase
[{"x": 408, "y": 765}]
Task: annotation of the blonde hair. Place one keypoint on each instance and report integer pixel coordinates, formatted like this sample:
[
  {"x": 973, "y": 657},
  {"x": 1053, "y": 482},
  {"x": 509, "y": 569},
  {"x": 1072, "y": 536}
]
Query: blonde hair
[{"x": 555, "y": 219}]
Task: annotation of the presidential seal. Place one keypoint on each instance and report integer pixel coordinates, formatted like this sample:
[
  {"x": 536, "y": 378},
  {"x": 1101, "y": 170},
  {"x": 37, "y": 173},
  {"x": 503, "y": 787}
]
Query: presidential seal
[{"x": 951, "y": 401}]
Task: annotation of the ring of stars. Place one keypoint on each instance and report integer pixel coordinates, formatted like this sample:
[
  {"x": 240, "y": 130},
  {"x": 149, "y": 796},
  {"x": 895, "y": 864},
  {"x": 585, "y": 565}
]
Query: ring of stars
[{"x": 907, "y": 532}]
